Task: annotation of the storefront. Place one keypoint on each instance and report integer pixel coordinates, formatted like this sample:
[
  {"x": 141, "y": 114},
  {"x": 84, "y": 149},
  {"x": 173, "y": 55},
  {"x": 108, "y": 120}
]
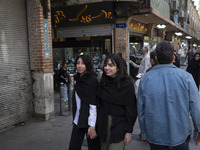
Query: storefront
[
  {"x": 151, "y": 43},
  {"x": 137, "y": 31},
  {"x": 69, "y": 47},
  {"x": 84, "y": 28}
]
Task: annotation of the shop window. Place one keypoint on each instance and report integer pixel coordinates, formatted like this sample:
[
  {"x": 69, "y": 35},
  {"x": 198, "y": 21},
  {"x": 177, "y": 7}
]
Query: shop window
[
  {"x": 135, "y": 52},
  {"x": 68, "y": 51}
]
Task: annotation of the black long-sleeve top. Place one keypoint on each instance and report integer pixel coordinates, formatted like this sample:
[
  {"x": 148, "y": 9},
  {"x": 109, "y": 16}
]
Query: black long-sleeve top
[{"x": 122, "y": 106}]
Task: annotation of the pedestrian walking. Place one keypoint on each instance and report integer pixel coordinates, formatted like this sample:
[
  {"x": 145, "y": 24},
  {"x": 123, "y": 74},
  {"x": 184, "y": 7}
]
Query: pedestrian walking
[
  {"x": 176, "y": 61},
  {"x": 189, "y": 55},
  {"x": 145, "y": 63},
  {"x": 117, "y": 105},
  {"x": 194, "y": 68},
  {"x": 167, "y": 96},
  {"x": 84, "y": 105},
  {"x": 64, "y": 77},
  {"x": 153, "y": 62}
]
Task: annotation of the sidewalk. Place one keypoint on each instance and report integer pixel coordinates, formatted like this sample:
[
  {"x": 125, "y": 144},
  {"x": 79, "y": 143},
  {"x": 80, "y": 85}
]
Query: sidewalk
[
  {"x": 50, "y": 135},
  {"x": 54, "y": 134}
]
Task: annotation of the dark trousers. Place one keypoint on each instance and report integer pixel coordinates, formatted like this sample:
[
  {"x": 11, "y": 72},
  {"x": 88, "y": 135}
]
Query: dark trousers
[
  {"x": 184, "y": 146},
  {"x": 77, "y": 138}
]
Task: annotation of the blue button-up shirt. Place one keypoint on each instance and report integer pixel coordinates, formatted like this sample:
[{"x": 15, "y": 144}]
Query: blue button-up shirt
[{"x": 167, "y": 96}]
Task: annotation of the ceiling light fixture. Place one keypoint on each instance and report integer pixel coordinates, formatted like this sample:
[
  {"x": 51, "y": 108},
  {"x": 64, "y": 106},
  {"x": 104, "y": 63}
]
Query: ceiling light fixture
[
  {"x": 161, "y": 26},
  {"x": 178, "y": 33},
  {"x": 188, "y": 37}
]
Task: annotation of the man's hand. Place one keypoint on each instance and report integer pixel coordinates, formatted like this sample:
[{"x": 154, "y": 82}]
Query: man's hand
[
  {"x": 198, "y": 140},
  {"x": 133, "y": 64},
  {"x": 127, "y": 138},
  {"x": 92, "y": 133}
]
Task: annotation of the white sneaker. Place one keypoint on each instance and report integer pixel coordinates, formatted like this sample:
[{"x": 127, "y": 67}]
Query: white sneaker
[{"x": 66, "y": 99}]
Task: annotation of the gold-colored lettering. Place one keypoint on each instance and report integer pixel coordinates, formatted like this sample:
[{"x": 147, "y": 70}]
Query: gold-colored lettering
[
  {"x": 99, "y": 15},
  {"x": 109, "y": 15},
  {"x": 79, "y": 14},
  {"x": 88, "y": 19},
  {"x": 59, "y": 16},
  {"x": 83, "y": 19},
  {"x": 139, "y": 27}
]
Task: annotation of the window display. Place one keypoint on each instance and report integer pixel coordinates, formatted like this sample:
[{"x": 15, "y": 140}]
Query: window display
[{"x": 98, "y": 47}]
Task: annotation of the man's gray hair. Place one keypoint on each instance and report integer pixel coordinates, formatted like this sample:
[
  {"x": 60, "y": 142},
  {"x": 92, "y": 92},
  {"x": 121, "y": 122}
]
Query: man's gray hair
[{"x": 145, "y": 49}]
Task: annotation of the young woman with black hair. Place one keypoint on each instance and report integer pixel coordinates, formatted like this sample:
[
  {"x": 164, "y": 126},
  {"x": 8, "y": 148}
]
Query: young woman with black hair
[
  {"x": 117, "y": 109},
  {"x": 84, "y": 105}
]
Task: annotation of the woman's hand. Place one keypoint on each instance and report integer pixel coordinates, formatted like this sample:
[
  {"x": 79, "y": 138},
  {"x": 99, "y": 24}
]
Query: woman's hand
[
  {"x": 92, "y": 132},
  {"x": 127, "y": 138}
]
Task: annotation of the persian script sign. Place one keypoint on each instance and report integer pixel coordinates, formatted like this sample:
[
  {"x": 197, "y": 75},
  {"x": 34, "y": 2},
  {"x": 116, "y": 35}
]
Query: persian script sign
[{"x": 98, "y": 13}]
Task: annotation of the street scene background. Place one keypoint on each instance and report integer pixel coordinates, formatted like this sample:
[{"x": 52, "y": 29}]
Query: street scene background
[{"x": 55, "y": 133}]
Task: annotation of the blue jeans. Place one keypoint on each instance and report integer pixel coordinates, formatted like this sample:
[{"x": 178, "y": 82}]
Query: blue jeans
[
  {"x": 65, "y": 92},
  {"x": 184, "y": 146}
]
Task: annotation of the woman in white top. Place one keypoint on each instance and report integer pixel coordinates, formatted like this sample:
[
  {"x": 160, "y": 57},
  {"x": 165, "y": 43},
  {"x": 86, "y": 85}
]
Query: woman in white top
[{"x": 84, "y": 105}]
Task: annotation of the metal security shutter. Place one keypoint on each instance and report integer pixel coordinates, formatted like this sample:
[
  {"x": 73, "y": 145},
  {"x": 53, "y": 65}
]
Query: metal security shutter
[
  {"x": 95, "y": 30},
  {"x": 15, "y": 77}
]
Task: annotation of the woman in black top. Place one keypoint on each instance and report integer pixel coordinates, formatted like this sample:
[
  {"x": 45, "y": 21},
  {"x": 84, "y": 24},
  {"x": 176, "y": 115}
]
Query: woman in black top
[
  {"x": 194, "y": 68},
  {"x": 84, "y": 105},
  {"x": 117, "y": 105}
]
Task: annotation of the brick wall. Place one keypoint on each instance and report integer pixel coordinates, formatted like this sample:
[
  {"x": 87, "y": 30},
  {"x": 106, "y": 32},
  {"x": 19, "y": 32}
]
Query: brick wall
[
  {"x": 41, "y": 67},
  {"x": 36, "y": 38}
]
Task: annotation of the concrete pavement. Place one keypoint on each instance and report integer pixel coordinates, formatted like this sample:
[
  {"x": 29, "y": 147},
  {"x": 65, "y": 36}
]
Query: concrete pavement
[{"x": 54, "y": 134}]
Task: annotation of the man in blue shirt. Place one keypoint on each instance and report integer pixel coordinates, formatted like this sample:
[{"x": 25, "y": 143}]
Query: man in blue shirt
[{"x": 167, "y": 96}]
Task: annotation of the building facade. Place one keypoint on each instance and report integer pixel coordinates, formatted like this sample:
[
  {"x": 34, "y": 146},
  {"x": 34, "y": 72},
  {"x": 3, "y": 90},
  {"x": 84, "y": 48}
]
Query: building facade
[{"x": 26, "y": 85}]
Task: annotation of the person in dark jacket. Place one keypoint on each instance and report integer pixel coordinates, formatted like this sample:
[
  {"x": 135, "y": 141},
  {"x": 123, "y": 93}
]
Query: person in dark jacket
[
  {"x": 84, "y": 105},
  {"x": 117, "y": 110},
  {"x": 177, "y": 60},
  {"x": 64, "y": 77},
  {"x": 194, "y": 68},
  {"x": 189, "y": 55}
]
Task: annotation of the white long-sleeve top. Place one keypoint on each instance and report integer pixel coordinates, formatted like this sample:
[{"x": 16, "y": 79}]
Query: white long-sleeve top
[
  {"x": 144, "y": 65},
  {"x": 92, "y": 112}
]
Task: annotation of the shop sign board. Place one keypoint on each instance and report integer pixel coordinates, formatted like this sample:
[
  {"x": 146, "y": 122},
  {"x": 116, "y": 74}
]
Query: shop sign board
[
  {"x": 121, "y": 25},
  {"x": 84, "y": 14},
  {"x": 152, "y": 39},
  {"x": 137, "y": 27}
]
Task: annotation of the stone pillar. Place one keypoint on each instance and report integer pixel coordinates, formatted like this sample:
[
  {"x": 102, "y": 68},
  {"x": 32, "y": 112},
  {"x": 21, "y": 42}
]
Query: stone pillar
[
  {"x": 40, "y": 48},
  {"x": 121, "y": 39}
]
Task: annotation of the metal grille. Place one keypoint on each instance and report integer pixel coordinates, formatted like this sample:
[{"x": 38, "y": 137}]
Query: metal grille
[
  {"x": 15, "y": 78},
  {"x": 95, "y": 30}
]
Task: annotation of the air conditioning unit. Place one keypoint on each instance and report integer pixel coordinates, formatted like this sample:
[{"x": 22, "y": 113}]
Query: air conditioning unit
[
  {"x": 181, "y": 14},
  {"x": 175, "y": 5}
]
